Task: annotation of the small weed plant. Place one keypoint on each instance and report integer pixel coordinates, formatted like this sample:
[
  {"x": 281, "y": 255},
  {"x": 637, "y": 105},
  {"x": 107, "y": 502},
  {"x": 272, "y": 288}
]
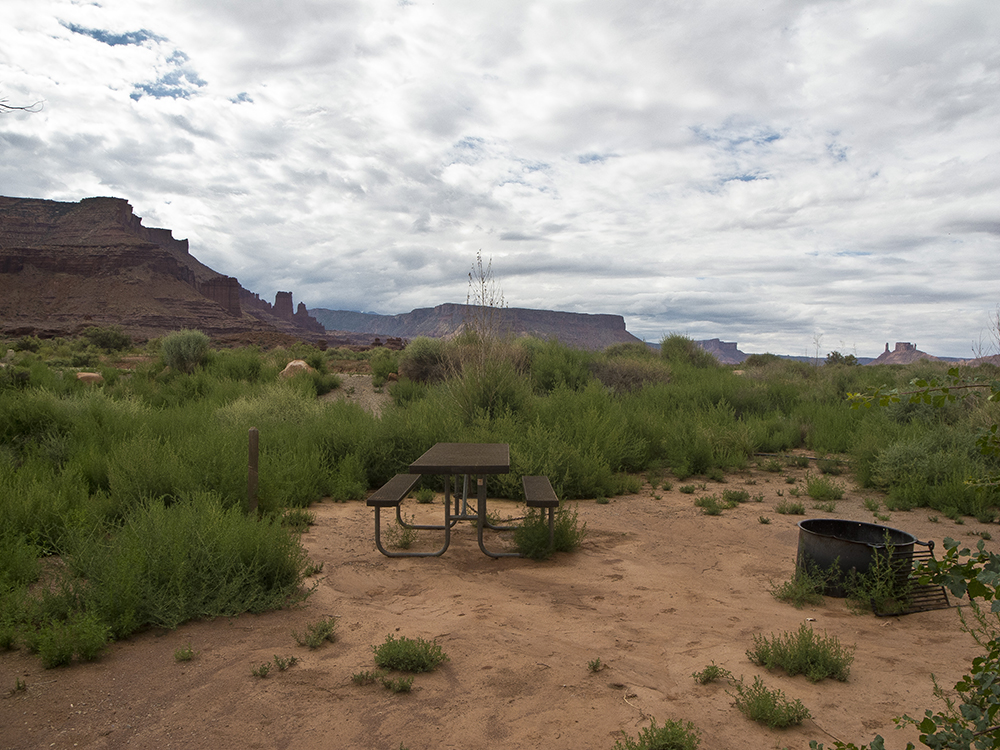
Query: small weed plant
[
  {"x": 397, "y": 684},
  {"x": 687, "y": 489},
  {"x": 766, "y": 706},
  {"x": 823, "y": 488},
  {"x": 595, "y": 665},
  {"x": 789, "y": 508},
  {"x": 399, "y": 536},
  {"x": 710, "y": 505},
  {"x": 425, "y": 496},
  {"x": 184, "y": 654},
  {"x": 806, "y": 586},
  {"x": 673, "y": 735},
  {"x": 284, "y": 662},
  {"x": 884, "y": 588},
  {"x": 712, "y": 673},
  {"x": 298, "y": 520},
  {"x": 828, "y": 507},
  {"x": 735, "y": 497},
  {"x": 763, "y": 519},
  {"x": 803, "y": 652},
  {"x": 531, "y": 537},
  {"x": 408, "y": 654},
  {"x": 832, "y": 466},
  {"x": 261, "y": 670},
  {"x": 317, "y": 633},
  {"x": 367, "y": 678}
]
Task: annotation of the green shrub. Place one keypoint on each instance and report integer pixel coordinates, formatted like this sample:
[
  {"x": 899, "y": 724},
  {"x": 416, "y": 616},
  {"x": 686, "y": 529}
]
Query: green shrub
[
  {"x": 555, "y": 365},
  {"x": 108, "y": 338},
  {"x": 384, "y": 362},
  {"x": 823, "y": 488},
  {"x": 711, "y": 673},
  {"x": 769, "y": 707},
  {"x": 885, "y": 587},
  {"x": 709, "y": 505},
  {"x": 806, "y": 586},
  {"x": 317, "y": 633},
  {"x": 673, "y": 735},
  {"x": 631, "y": 350},
  {"x": 84, "y": 635},
  {"x": 531, "y": 537},
  {"x": 624, "y": 375},
  {"x": 423, "y": 361},
  {"x": 789, "y": 508},
  {"x": 803, "y": 652},
  {"x": 406, "y": 391},
  {"x": 167, "y": 565},
  {"x": 184, "y": 350},
  {"x": 408, "y": 654},
  {"x": 678, "y": 349}
]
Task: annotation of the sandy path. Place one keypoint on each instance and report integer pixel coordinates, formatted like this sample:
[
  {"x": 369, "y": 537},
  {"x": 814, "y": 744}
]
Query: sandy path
[{"x": 657, "y": 592}]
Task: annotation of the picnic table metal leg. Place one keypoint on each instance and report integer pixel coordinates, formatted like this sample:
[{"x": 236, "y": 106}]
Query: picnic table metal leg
[
  {"x": 387, "y": 553},
  {"x": 482, "y": 523}
]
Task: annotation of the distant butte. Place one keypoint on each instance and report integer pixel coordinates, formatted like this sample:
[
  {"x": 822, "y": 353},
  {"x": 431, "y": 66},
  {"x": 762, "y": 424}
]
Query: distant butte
[{"x": 67, "y": 266}]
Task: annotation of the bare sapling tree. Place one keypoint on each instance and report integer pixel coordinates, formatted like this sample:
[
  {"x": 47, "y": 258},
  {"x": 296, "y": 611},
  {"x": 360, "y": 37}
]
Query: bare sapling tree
[
  {"x": 484, "y": 303},
  {"x": 5, "y": 107}
]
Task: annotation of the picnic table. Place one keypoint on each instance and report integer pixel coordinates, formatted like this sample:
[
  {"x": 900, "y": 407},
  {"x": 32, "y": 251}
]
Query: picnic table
[{"x": 459, "y": 463}]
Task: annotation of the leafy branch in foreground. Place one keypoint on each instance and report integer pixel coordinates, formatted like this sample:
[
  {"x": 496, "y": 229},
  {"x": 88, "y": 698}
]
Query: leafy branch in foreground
[{"x": 937, "y": 392}]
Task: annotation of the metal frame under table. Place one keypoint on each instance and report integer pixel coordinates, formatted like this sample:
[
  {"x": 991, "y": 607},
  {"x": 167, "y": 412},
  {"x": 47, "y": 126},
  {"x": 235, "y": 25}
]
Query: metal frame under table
[{"x": 465, "y": 460}]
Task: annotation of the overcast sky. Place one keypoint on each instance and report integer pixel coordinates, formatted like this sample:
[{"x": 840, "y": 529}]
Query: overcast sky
[{"x": 789, "y": 175}]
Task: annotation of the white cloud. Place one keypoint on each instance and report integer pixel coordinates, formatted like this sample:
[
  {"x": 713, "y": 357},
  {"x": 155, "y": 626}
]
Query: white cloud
[{"x": 766, "y": 172}]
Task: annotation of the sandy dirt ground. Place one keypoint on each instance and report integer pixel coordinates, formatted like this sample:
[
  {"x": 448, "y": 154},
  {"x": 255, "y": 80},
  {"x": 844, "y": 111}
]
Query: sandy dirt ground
[{"x": 657, "y": 592}]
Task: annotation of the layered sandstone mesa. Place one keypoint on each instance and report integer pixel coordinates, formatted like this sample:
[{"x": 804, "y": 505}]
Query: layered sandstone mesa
[
  {"x": 67, "y": 266},
  {"x": 582, "y": 330}
]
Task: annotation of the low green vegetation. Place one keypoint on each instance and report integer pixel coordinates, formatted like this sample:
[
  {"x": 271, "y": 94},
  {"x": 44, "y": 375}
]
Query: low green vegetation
[
  {"x": 769, "y": 706},
  {"x": 790, "y": 508},
  {"x": 673, "y": 735},
  {"x": 317, "y": 633},
  {"x": 531, "y": 536},
  {"x": 712, "y": 673},
  {"x": 803, "y": 652},
  {"x": 409, "y": 654},
  {"x": 806, "y": 586},
  {"x": 138, "y": 484}
]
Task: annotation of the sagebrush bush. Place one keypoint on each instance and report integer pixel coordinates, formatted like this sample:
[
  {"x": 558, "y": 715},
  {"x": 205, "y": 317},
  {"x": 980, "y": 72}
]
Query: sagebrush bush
[
  {"x": 679, "y": 349},
  {"x": 624, "y": 375},
  {"x": 184, "y": 350},
  {"x": 423, "y": 360}
]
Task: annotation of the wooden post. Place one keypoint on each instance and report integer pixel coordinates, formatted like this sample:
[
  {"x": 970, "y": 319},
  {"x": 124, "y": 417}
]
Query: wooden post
[{"x": 252, "y": 479}]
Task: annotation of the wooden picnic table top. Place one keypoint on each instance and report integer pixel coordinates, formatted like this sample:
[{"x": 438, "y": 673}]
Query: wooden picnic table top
[{"x": 464, "y": 458}]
